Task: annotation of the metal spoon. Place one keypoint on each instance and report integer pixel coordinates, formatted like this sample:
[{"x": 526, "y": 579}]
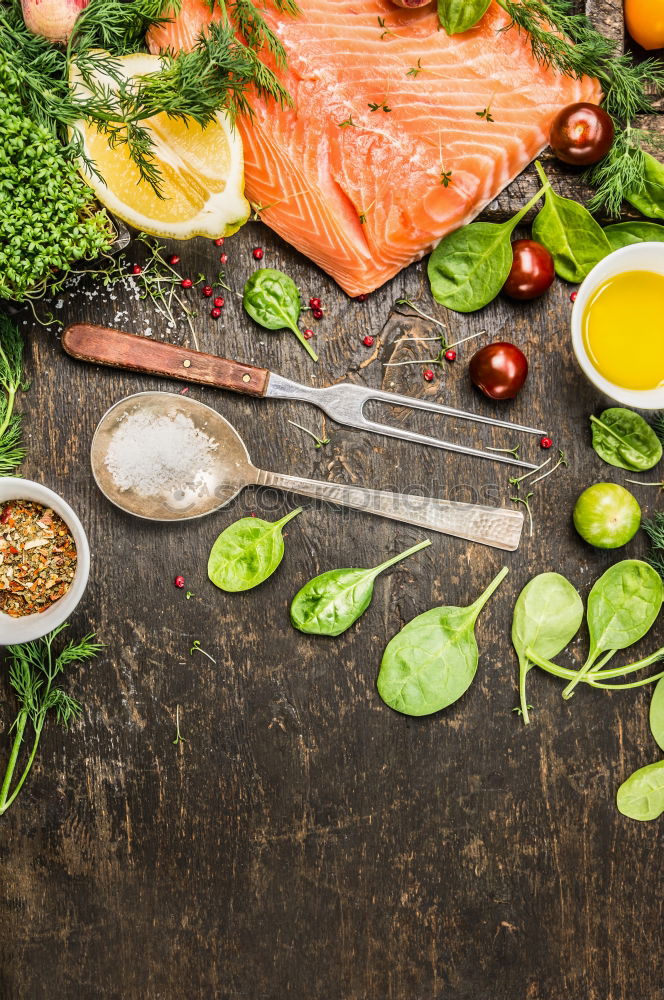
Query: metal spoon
[{"x": 229, "y": 470}]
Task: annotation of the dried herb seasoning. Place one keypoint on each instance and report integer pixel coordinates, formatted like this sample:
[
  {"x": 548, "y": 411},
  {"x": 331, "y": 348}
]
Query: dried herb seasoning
[{"x": 37, "y": 558}]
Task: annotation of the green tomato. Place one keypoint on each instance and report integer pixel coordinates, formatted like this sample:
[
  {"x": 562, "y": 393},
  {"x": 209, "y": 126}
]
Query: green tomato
[{"x": 607, "y": 515}]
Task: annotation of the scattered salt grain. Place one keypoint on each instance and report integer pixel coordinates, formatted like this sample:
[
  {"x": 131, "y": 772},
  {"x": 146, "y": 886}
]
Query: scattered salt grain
[{"x": 156, "y": 454}]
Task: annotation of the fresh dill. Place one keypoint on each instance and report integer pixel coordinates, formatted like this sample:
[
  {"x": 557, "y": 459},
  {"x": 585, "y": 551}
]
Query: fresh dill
[
  {"x": 486, "y": 114},
  {"x": 445, "y": 177},
  {"x": 12, "y": 381},
  {"x": 386, "y": 31},
  {"x": 575, "y": 48},
  {"x": 33, "y": 670},
  {"x": 379, "y": 106},
  {"x": 654, "y": 528},
  {"x": 218, "y": 74}
]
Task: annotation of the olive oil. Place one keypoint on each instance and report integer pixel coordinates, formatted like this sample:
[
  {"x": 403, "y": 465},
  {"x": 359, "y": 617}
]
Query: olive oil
[{"x": 623, "y": 330}]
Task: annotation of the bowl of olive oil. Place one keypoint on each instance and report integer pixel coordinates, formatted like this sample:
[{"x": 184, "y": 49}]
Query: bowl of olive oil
[{"x": 618, "y": 326}]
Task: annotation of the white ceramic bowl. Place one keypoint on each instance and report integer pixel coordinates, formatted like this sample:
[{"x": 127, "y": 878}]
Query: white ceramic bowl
[
  {"x": 13, "y": 630},
  {"x": 638, "y": 257}
]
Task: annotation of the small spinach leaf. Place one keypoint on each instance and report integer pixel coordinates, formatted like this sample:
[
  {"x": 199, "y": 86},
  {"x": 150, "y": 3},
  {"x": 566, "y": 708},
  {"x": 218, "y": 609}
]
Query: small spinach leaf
[
  {"x": 622, "y": 438},
  {"x": 470, "y": 266},
  {"x": 568, "y": 231},
  {"x": 333, "y": 601},
  {"x": 457, "y": 16},
  {"x": 624, "y": 234},
  {"x": 272, "y": 299},
  {"x": 247, "y": 552},
  {"x": 657, "y": 714},
  {"x": 432, "y": 661},
  {"x": 649, "y": 198},
  {"x": 547, "y": 616},
  {"x": 641, "y": 796},
  {"x": 622, "y": 606}
]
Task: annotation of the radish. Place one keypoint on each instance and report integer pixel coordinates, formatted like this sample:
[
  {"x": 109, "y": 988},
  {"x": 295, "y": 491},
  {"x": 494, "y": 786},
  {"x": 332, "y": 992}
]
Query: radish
[{"x": 53, "y": 19}]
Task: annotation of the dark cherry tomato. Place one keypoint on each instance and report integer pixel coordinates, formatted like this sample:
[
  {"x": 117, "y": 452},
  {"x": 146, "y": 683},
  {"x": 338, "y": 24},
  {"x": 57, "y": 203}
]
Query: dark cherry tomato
[
  {"x": 581, "y": 134},
  {"x": 532, "y": 270},
  {"x": 499, "y": 370}
]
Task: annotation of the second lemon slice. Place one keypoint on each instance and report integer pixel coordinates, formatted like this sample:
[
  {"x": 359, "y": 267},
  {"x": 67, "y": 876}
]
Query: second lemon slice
[{"x": 202, "y": 171}]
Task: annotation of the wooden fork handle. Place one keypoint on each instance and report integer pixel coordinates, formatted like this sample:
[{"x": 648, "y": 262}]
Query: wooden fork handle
[{"x": 105, "y": 346}]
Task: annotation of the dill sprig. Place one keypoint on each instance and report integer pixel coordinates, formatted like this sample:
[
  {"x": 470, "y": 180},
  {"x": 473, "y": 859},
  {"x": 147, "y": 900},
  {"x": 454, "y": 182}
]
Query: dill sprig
[
  {"x": 12, "y": 381},
  {"x": 575, "y": 48},
  {"x": 654, "y": 528},
  {"x": 33, "y": 670},
  {"x": 219, "y": 74}
]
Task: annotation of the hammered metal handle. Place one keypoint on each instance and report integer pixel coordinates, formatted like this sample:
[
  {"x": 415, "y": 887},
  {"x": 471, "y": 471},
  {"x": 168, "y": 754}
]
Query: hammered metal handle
[{"x": 495, "y": 526}]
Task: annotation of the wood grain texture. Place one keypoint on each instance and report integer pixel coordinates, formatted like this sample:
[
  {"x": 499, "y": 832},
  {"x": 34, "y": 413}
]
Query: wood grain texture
[
  {"x": 118, "y": 349},
  {"x": 306, "y": 842}
]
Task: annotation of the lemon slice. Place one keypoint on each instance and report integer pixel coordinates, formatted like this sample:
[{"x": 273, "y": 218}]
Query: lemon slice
[{"x": 202, "y": 170}]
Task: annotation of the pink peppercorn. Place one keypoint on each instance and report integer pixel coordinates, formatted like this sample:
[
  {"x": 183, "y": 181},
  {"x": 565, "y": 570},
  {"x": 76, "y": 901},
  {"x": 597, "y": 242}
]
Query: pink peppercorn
[
  {"x": 317, "y": 313},
  {"x": 179, "y": 582},
  {"x": 573, "y": 296},
  {"x": 308, "y": 334},
  {"x": 219, "y": 242},
  {"x": 137, "y": 269},
  {"x": 173, "y": 259},
  {"x": 362, "y": 297},
  {"x": 368, "y": 341},
  {"x": 186, "y": 282},
  {"x": 219, "y": 302},
  {"x": 257, "y": 253},
  {"x": 315, "y": 303},
  {"x": 207, "y": 291},
  {"x": 215, "y": 313},
  {"x": 427, "y": 375},
  {"x": 450, "y": 355},
  {"x": 546, "y": 442},
  {"x": 223, "y": 258}
]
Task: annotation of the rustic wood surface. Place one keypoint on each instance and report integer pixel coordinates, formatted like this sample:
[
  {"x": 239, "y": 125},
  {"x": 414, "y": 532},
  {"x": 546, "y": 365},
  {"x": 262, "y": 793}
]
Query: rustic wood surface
[{"x": 305, "y": 841}]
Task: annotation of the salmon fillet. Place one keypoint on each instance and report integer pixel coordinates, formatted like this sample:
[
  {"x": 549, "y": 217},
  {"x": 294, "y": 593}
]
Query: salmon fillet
[{"x": 365, "y": 192}]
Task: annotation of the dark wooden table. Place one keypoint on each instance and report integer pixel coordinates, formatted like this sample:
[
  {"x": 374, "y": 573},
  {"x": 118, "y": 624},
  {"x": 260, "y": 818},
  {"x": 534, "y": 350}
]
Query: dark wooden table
[{"x": 305, "y": 841}]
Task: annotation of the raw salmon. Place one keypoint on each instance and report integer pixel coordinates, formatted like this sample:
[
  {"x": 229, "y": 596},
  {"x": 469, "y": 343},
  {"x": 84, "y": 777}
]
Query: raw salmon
[{"x": 398, "y": 134}]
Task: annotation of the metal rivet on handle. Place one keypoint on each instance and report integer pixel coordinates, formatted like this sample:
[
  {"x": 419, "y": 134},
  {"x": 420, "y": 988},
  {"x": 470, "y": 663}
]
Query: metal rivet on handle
[
  {"x": 187, "y": 363},
  {"x": 246, "y": 378}
]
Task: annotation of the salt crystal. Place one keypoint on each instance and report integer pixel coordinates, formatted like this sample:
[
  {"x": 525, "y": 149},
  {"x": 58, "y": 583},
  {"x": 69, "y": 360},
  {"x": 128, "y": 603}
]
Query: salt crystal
[{"x": 156, "y": 454}]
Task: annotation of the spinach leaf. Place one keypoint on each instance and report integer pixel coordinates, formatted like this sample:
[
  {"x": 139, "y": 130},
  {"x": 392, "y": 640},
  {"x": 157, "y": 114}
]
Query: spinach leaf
[
  {"x": 432, "y": 661},
  {"x": 547, "y": 615},
  {"x": 622, "y": 438},
  {"x": 568, "y": 231},
  {"x": 457, "y": 16},
  {"x": 641, "y": 796},
  {"x": 332, "y": 601},
  {"x": 272, "y": 299},
  {"x": 649, "y": 198},
  {"x": 247, "y": 552},
  {"x": 624, "y": 234},
  {"x": 657, "y": 714},
  {"x": 470, "y": 266},
  {"x": 622, "y": 606}
]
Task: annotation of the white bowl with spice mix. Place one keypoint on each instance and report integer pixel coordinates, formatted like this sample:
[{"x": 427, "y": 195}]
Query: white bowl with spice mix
[{"x": 44, "y": 560}]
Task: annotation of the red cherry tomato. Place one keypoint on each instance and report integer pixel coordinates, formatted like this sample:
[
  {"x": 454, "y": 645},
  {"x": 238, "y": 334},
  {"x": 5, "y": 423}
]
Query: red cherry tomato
[
  {"x": 499, "y": 370},
  {"x": 581, "y": 134},
  {"x": 532, "y": 270}
]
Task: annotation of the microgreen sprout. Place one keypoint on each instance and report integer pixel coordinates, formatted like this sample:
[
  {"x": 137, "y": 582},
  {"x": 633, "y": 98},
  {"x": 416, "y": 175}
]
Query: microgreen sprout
[
  {"x": 386, "y": 31},
  {"x": 415, "y": 70},
  {"x": 526, "y": 503},
  {"x": 507, "y": 451},
  {"x": 178, "y": 736},
  {"x": 561, "y": 461},
  {"x": 196, "y": 648},
  {"x": 188, "y": 596},
  {"x": 320, "y": 442},
  {"x": 517, "y": 480}
]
